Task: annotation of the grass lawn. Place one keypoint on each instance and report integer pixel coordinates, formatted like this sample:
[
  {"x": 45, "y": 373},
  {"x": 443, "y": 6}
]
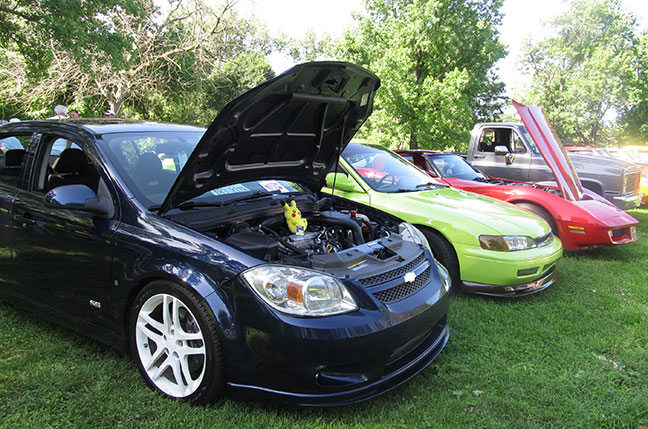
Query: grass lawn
[{"x": 576, "y": 355}]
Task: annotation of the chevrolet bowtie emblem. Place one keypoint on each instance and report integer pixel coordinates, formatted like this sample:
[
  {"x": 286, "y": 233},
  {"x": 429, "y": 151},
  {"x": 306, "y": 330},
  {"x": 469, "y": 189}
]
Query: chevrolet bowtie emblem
[{"x": 410, "y": 277}]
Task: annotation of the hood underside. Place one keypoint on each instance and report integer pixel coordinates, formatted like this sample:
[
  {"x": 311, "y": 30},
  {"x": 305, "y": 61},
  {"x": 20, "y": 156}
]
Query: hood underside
[
  {"x": 292, "y": 127},
  {"x": 552, "y": 150}
]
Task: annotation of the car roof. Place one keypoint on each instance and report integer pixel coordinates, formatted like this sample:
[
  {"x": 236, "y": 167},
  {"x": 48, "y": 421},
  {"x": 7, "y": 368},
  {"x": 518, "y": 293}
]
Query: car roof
[{"x": 97, "y": 126}]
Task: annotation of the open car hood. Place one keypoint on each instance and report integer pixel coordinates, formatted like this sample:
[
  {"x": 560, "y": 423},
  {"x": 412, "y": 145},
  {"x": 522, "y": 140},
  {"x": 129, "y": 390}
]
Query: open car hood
[
  {"x": 292, "y": 127},
  {"x": 552, "y": 150}
]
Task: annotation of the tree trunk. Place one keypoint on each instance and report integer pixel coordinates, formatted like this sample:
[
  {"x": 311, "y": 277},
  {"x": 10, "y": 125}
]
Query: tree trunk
[{"x": 413, "y": 142}]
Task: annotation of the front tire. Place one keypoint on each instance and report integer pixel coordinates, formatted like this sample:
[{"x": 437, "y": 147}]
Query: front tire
[
  {"x": 544, "y": 214},
  {"x": 443, "y": 252},
  {"x": 176, "y": 343}
]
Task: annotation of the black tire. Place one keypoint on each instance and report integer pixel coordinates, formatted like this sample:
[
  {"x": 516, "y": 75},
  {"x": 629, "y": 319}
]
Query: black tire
[
  {"x": 445, "y": 254},
  {"x": 544, "y": 214},
  {"x": 183, "y": 360}
]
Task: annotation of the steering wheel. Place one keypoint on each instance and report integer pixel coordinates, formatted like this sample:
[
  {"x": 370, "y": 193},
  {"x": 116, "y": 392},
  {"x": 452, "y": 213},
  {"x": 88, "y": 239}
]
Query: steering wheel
[{"x": 382, "y": 183}]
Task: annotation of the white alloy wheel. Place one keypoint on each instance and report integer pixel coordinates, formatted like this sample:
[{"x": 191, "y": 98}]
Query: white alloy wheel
[{"x": 170, "y": 345}]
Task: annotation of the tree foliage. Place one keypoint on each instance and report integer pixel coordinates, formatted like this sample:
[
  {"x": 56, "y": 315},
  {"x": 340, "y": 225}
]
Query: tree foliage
[
  {"x": 31, "y": 27},
  {"x": 178, "y": 56},
  {"x": 586, "y": 77},
  {"x": 434, "y": 59}
]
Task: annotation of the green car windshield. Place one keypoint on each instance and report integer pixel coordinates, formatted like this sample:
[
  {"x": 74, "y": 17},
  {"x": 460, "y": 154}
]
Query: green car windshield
[{"x": 385, "y": 171}]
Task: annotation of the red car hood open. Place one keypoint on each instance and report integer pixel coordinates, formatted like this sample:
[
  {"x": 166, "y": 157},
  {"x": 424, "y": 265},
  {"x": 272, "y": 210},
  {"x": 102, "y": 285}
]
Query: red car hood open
[{"x": 552, "y": 150}]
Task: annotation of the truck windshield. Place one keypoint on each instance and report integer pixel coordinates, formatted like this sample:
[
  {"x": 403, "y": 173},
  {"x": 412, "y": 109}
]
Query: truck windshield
[{"x": 385, "y": 171}]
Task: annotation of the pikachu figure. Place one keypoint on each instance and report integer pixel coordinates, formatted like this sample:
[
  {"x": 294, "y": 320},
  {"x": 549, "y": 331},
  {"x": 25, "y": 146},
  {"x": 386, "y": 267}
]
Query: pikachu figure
[{"x": 296, "y": 224}]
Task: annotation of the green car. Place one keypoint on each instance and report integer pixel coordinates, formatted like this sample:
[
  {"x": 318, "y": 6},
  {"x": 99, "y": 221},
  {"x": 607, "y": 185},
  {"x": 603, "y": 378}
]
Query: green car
[{"x": 488, "y": 246}]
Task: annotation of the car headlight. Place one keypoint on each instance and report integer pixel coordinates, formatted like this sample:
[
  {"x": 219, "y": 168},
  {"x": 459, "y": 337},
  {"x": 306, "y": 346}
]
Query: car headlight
[
  {"x": 410, "y": 233},
  {"x": 506, "y": 243},
  {"x": 299, "y": 292},
  {"x": 446, "y": 280}
]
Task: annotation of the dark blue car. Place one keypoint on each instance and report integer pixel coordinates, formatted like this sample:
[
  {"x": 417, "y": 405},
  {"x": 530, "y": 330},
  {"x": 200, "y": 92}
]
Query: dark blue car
[{"x": 211, "y": 257}]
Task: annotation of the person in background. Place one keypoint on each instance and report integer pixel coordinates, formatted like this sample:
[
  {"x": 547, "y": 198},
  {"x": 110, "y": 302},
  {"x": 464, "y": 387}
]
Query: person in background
[
  {"x": 108, "y": 114},
  {"x": 74, "y": 114},
  {"x": 60, "y": 112}
]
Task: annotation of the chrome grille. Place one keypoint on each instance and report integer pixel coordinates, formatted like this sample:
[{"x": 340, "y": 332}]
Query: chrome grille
[
  {"x": 404, "y": 289},
  {"x": 631, "y": 182},
  {"x": 391, "y": 275}
]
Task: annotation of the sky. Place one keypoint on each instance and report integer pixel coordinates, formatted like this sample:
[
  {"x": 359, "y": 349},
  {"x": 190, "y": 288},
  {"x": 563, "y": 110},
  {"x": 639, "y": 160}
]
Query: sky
[{"x": 523, "y": 19}]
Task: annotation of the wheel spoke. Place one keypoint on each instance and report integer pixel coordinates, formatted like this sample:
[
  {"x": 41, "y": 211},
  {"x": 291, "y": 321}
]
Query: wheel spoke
[
  {"x": 151, "y": 321},
  {"x": 154, "y": 358},
  {"x": 160, "y": 369},
  {"x": 184, "y": 367},
  {"x": 177, "y": 373},
  {"x": 166, "y": 317},
  {"x": 150, "y": 334},
  {"x": 182, "y": 335},
  {"x": 175, "y": 316},
  {"x": 191, "y": 351}
]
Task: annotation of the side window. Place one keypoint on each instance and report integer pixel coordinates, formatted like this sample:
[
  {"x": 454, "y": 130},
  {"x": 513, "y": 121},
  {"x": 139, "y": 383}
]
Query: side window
[
  {"x": 487, "y": 141},
  {"x": 65, "y": 163},
  {"x": 12, "y": 154}
]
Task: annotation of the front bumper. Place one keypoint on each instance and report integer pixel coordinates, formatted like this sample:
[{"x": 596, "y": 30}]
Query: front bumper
[
  {"x": 486, "y": 271},
  {"x": 546, "y": 279},
  {"x": 627, "y": 202},
  {"x": 413, "y": 363},
  {"x": 335, "y": 360}
]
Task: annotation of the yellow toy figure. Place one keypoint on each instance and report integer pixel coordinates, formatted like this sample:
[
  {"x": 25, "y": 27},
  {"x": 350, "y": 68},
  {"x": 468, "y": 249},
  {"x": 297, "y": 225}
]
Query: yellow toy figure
[{"x": 296, "y": 224}]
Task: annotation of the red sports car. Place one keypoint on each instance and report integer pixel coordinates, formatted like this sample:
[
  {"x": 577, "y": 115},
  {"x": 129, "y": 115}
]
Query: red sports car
[{"x": 581, "y": 218}]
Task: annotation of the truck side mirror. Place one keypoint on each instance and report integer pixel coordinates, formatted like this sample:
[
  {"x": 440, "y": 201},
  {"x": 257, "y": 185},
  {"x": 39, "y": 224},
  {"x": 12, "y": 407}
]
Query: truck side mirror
[
  {"x": 342, "y": 182},
  {"x": 503, "y": 151}
]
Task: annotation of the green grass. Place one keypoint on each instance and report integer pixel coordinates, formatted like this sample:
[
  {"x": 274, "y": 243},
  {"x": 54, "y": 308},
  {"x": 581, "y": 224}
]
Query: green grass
[{"x": 576, "y": 355}]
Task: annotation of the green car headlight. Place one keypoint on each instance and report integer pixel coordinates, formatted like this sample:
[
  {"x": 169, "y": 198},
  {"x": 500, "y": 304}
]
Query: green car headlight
[
  {"x": 299, "y": 292},
  {"x": 410, "y": 233},
  {"x": 506, "y": 243}
]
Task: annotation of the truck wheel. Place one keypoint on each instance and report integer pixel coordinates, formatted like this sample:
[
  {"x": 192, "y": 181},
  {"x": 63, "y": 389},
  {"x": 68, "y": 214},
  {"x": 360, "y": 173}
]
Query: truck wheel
[
  {"x": 444, "y": 253},
  {"x": 176, "y": 343},
  {"x": 544, "y": 214}
]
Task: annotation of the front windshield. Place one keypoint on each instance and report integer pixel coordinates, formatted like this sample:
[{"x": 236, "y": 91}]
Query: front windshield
[
  {"x": 453, "y": 166},
  {"x": 149, "y": 163},
  {"x": 385, "y": 171}
]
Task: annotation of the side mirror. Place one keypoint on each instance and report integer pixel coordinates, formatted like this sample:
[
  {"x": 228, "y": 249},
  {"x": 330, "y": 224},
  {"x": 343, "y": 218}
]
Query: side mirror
[
  {"x": 501, "y": 150},
  {"x": 78, "y": 197},
  {"x": 342, "y": 182}
]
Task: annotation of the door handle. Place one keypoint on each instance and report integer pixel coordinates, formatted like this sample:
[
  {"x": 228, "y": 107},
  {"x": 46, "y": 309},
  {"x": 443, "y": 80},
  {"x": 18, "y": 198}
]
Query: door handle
[{"x": 25, "y": 220}]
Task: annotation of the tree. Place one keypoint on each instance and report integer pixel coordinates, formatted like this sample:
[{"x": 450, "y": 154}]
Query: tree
[
  {"x": 583, "y": 77},
  {"x": 434, "y": 59},
  {"x": 177, "y": 52},
  {"x": 634, "y": 115},
  {"x": 29, "y": 27}
]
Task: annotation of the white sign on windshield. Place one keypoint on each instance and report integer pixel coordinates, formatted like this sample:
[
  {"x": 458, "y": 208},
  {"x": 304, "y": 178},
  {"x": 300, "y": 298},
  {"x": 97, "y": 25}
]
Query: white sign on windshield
[{"x": 232, "y": 189}]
